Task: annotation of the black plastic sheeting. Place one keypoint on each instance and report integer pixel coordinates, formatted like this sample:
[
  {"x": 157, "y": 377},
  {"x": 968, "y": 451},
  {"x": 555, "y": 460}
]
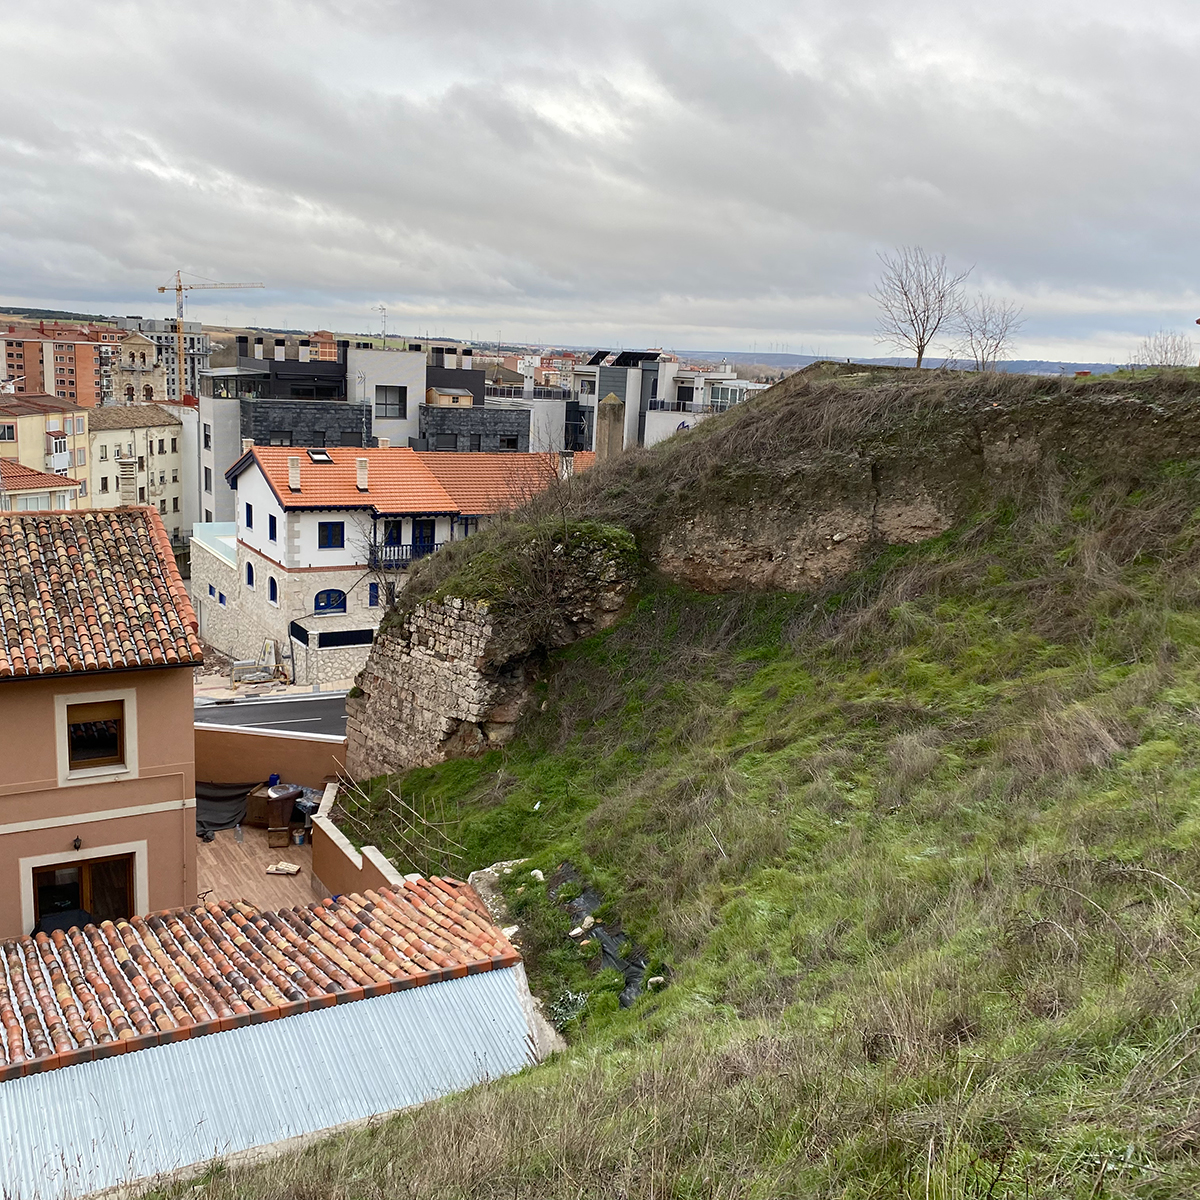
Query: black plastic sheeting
[
  {"x": 632, "y": 964},
  {"x": 221, "y": 805}
]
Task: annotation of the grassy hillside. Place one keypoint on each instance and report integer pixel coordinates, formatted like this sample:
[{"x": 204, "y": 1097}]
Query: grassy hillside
[{"x": 919, "y": 859}]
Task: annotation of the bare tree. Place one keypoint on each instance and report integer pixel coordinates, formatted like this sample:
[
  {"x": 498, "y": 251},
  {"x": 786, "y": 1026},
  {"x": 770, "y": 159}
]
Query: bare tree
[
  {"x": 1166, "y": 348},
  {"x": 986, "y": 328},
  {"x": 918, "y": 295}
]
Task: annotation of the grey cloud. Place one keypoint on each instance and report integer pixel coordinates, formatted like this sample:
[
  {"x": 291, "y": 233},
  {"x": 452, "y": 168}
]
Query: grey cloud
[{"x": 696, "y": 172}]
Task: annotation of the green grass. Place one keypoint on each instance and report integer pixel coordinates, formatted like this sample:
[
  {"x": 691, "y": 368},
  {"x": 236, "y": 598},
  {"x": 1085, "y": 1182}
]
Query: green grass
[{"x": 920, "y": 855}]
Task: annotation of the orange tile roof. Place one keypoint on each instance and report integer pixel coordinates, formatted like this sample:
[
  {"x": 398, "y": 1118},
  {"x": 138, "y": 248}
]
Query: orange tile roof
[
  {"x": 16, "y": 477},
  {"x": 94, "y": 590},
  {"x": 398, "y": 480},
  {"x": 481, "y": 484},
  {"x": 119, "y": 987}
]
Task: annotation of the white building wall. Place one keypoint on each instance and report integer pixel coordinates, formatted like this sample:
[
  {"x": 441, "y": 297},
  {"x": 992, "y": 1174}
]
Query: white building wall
[
  {"x": 223, "y": 420},
  {"x": 367, "y": 369}
]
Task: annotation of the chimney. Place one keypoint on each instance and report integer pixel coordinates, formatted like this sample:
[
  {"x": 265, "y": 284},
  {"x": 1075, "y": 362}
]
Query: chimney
[
  {"x": 258, "y": 348},
  {"x": 304, "y": 349},
  {"x": 384, "y": 443},
  {"x": 361, "y": 464},
  {"x": 342, "y": 347},
  {"x": 280, "y": 346},
  {"x": 293, "y": 473},
  {"x": 243, "y": 345},
  {"x": 247, "y": 445}
]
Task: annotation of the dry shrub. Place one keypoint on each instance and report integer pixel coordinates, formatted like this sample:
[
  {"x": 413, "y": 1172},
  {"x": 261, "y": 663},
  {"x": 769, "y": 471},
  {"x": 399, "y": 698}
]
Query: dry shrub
[{"x": 1066, "y": 742}]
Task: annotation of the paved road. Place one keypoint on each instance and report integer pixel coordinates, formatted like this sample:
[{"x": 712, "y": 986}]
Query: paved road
[{"x": 321, "y": 714}]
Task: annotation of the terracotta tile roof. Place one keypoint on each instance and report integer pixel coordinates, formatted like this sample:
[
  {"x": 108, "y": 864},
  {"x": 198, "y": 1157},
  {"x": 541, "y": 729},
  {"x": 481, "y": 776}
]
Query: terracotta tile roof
[
  {"x": 398, "y": 480},
  {"x": 114, "y": 988},
  {"x": 28, "y": 403},
  {"x": 480, "y": 484},
  {"x": 401, "y": 480},
  {"x": 16, "y": 477},
  {"x": 130, "y": 416},
  {"x": 94, "y": 590}
]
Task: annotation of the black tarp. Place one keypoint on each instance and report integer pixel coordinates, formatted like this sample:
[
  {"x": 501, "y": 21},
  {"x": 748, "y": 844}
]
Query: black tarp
[{"x": 221, "y": 805}]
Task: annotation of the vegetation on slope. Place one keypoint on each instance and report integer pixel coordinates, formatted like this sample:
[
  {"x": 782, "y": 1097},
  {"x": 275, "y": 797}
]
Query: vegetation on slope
[{"x": 921, "y": 855}]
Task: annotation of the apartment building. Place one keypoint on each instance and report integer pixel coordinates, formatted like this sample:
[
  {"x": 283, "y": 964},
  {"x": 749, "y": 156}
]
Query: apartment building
[
  {"x": 70, "y": 363},
  {"x": 96, "y": 693},
  {"x": 197, "y": 351},
  {"x": 660, "y": 395},
  {"x": 137, "y": 457},
  {"x": 45, "y": 433}
]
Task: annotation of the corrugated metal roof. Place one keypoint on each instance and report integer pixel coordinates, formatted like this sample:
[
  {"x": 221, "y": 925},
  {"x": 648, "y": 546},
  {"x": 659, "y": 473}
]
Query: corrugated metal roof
[{"x": 100, "y": 1124}]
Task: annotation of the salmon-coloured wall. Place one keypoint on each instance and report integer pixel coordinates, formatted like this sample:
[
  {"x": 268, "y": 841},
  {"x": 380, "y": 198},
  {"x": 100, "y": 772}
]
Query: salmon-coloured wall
[
  {"x": 339, "y": 868},
  {"x": 236, "y": 756},
  {"x": 97, "y": 813}
]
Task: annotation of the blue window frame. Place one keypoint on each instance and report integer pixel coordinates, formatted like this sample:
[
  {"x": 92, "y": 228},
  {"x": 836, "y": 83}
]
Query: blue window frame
[
  {"x": 249, "y": 574},
  {"x": 331, "y": 535},
  {"x": 373, "y": 595},
  {"x": 272, "y": 590},
  {"x": 271, "y": 526},
  {"x": 249, "y": 516},
  {"x": 330, "y": 600}
]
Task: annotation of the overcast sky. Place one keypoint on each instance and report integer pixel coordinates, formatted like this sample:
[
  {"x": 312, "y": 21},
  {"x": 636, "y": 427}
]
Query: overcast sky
[{"x": 690, "y": 174}]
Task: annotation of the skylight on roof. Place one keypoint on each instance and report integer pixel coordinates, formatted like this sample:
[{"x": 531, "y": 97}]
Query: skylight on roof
[{"x": 320, "y": 456}]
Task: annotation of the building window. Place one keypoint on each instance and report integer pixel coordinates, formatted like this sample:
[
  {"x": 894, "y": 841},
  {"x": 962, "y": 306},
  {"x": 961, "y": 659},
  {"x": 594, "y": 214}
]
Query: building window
[
  {"x": 104, "y": 454},
  {"x": 208, "y": 437},
  {"x": 271, "y": 527},
  {"x": 104, "y": 483},
  {"x": 175, "y": 475},
  {"x": 141, "y": 495},
  {"x": 8, "y": 433},
  {"x": 373, "y": 595},
  {"x": 80, "y": 457},
  {"x": 508, "y": 443},
  {"x": 162, "y": 445},
  {"x": 391, "y": 401},
  {"x": 174, "y": 445},
  {"x": 208, "y": 515},
  {"x": 208, "y": 479},
  {"x": 330, "y": 600},
  {"x": 96, "y": 735},
  {"x": 331, "y": 535},
  {"x": 129, "y": 394},
  {"x": 212, "y": 591},
  {"x": 445, "y": 441},
  {"x": 249, "y": 516},
  {"x": 249, "y": 575},
  {"x": 221, "y": 598},
  {"x": 174, "y": 503},
  {"x": 272, "y": 590},
  {"x": 476, "y": 442},
  {"x": 83, "y": 487}
]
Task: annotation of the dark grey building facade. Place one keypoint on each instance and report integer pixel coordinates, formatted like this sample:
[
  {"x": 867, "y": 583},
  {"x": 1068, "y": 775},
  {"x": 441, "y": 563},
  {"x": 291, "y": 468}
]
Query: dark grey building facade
[{"x": 478, "y": 427}]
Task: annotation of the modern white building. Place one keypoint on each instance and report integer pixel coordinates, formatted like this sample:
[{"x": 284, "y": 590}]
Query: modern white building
[
  {"x": 661, "y": 396},
  {"x": 393, "y": 383}
]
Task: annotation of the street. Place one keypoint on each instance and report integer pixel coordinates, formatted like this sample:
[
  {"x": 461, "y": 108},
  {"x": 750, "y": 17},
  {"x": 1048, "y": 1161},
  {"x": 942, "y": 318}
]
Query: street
[{"x": 318, "y": 714}]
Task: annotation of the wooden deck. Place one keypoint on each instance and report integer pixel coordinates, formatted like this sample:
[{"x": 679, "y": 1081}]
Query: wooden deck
[{"x": 229, "y": 870}]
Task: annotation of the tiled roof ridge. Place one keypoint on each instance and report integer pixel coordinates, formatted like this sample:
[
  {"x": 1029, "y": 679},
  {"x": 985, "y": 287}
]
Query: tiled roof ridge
[
  {"x": 105, "y": 989},
  {"x": 166, "y": 557}
]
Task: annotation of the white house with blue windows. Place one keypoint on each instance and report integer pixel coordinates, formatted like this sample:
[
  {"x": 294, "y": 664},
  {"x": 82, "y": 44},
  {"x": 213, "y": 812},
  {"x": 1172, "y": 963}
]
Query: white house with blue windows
[{"x": 303, "y": 574}]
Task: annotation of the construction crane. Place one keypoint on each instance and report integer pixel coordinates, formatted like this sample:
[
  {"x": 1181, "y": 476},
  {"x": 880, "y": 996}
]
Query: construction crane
[{"x": 179, "y": 287}]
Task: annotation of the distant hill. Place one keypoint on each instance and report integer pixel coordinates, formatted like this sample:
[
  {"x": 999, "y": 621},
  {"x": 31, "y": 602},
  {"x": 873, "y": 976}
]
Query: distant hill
[
  {"x": 1017, "y": 366},
  {"x": 52, "y": 314}
]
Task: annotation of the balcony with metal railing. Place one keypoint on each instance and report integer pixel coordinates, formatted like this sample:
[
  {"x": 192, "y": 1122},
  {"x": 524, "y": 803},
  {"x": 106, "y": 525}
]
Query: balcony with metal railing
[{"x": 385, "y": 557}]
